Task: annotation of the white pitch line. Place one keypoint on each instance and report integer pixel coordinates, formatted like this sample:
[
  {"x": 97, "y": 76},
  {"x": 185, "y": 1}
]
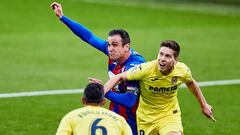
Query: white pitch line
[
  {"x": 215, "y": 83},
  {"x": 74, "y": 91},
  {"x": 39, "y": 93}
]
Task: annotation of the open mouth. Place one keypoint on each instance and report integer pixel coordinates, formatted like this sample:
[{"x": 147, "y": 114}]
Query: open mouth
[{"x": 162, "y": 64}]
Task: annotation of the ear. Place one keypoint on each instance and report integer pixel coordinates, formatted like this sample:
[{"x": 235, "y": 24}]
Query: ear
[
  {"x": 127, "y": 47},
  {"x": 176, "y": 60},
  {"x": 84, "y": 101},
  {"x": 158, "y": 56},
  {"x": 103, "y": 101}
]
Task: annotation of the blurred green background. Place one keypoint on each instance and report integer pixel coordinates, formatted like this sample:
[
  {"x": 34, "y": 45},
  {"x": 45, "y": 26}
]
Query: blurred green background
[{"x": 38, "y": 52}]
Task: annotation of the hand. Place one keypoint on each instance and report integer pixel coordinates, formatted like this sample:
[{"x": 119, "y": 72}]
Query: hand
[
  {"x": 57, "y": 9},
  {"x": 94, "y": 80},
  {"x": 207, "y": 111}
]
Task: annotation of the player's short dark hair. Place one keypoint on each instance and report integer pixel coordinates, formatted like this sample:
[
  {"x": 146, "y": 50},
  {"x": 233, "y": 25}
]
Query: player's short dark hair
[
  {"x": 172, "y": 45},
  {"x": 94, "y": 93},
  {"x": 123, "y": 34}
]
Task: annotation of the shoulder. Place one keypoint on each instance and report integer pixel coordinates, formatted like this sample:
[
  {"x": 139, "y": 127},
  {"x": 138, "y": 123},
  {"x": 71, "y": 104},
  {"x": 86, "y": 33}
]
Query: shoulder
[
  {"x": 149, "y": 64},
  {"x": 74, "y": 112},
  {"x": 143, "y": 68},
  {"x": 134, "y": 60},
  {"x": 137, "y": 57},
  {"x": 182, "y": 67}
]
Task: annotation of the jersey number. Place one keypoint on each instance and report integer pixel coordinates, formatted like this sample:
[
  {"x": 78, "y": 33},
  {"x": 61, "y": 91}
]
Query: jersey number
[
  {"x": 94, "y": 127},
  {"x": 141, "y": 132}
]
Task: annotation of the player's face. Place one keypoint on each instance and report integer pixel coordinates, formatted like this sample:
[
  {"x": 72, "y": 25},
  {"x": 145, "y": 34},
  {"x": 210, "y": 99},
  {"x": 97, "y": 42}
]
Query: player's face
[
  {"x": 166, "y": 60},
  {"x": 116, "y": 49}
]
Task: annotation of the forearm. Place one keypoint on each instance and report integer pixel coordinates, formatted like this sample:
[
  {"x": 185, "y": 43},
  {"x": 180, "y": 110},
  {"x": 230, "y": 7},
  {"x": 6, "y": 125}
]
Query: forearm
[
  {"x": 114, "y": 81},
  {"x": 111, "y": 83},
  {"x": 197, "y": 92},
  {"x": 77, "y": 28},
  {"x": 206, "y": 108},
  {"x": 85, "y": 34}
]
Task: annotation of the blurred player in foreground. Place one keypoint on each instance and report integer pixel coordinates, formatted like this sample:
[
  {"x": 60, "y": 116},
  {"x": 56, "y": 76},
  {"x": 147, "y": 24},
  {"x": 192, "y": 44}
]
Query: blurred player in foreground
[
  {"x": 124, "y": 97},
  {"x": 159, "y": 111},
  {"x": 92, "y": 119}
]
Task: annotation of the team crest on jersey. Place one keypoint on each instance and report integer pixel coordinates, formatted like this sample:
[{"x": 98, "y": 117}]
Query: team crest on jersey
[{"x": 174, "y": 80}]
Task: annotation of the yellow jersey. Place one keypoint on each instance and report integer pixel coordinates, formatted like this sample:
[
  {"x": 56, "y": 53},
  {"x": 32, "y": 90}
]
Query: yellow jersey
[
  {"x": 158, "y": 92},
  {"x": 93, "y": 120}
]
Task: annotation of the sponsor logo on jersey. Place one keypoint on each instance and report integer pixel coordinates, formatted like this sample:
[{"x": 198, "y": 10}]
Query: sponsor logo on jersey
[
  {"x": 133, "y": 90},
  {"x": 163, "y": 90}
]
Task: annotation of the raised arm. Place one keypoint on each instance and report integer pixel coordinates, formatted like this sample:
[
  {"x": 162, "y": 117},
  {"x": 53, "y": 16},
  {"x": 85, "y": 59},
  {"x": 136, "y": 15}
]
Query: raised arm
[
  {"x": 79, "y": 30},
  {"x": 206, "y": 108}
]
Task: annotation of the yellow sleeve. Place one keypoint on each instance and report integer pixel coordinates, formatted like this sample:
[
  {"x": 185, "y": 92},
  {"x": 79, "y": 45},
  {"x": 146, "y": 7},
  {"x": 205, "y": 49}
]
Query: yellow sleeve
[
  {"x": 136, "y": 73},
  {"x": 64, "y": 127},
  {"x": 188, "y": 77}
]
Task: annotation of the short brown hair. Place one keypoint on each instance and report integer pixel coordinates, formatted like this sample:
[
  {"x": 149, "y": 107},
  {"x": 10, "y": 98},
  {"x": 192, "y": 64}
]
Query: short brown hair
[
  {"x": 172, "y": 45},
  {"x": 123, "y": 34}
]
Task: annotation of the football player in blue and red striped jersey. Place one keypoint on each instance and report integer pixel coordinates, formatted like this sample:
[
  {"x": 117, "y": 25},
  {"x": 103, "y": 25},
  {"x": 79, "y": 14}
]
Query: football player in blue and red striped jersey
[{"x": 124, "y": 97}]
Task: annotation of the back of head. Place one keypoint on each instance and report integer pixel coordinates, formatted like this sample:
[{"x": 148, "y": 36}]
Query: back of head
[
  {"x": 93, "y": 93},
  {"x": 172, "y": 45},
  {"x": 123, "y": 34}
]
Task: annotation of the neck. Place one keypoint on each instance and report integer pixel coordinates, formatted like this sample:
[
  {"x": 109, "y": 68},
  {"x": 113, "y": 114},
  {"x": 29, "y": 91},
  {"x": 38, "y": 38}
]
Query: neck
[
  {"x": 124, "y": 57},
  {"x": 166, "y": 72},
  {"x": 93, "y": 104}
]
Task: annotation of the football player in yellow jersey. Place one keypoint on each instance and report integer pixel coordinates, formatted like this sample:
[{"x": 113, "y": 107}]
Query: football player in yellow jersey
[
  {"x": 93, "y": 119},
  {"x": 158, "y": 111}
]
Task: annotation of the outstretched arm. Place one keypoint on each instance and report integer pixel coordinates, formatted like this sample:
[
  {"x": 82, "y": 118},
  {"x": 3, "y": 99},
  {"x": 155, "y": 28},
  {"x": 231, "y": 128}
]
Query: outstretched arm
[
  {"x": 81, "y": 31},
  {"x": 114, "y": 81},
  {"x": 127, "y": 99},
  {"x": 206, "y": 108}
]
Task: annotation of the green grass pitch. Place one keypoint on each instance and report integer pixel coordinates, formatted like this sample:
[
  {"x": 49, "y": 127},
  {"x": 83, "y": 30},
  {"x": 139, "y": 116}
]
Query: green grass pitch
[{"x": 38, "y": 52}]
